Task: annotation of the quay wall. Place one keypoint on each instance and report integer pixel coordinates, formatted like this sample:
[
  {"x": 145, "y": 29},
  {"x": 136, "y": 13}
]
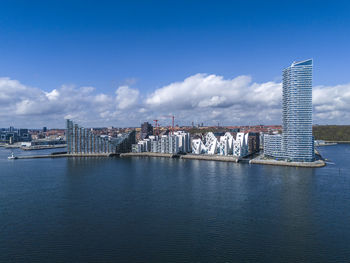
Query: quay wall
[
  {"x": 67, "y": 155},
  {"x": 149, "y": 154},
  {"x": 208, "y": 157},
  {"x": 315, "y": 164}
]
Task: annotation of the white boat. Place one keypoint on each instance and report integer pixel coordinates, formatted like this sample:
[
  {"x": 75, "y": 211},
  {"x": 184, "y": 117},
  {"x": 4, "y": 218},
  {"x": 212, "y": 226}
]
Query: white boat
[{"x": 12, "y": 157}]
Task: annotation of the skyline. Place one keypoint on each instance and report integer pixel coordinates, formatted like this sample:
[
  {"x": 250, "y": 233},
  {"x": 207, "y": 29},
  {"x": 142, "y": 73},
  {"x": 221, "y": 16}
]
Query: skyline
[{"x": 200, "y": 61}]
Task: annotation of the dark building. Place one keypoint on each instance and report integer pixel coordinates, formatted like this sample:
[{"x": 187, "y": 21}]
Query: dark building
[
  {"x": 218, "y": 134},
  {"x": 125, "y": 142},
  {"x": 253, "y": 142},
  {"x": 44, "y": 129},
  {"x": 146, "y": 130},
  {"x": 234, "y": 130},
  {"x": 13, "y": 135}
]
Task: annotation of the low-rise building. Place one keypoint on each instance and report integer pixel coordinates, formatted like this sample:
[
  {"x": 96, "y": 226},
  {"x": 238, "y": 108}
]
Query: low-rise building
[{"x": 273, "y": 146}]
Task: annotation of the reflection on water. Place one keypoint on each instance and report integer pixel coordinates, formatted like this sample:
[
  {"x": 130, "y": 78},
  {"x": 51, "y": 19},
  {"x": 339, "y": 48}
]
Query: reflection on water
[{"x": 159, "y": 209}]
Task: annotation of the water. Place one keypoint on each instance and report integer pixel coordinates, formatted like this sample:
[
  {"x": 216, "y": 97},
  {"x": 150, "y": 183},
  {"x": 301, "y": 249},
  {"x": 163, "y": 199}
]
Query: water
[{"x": 170, "y": 210}]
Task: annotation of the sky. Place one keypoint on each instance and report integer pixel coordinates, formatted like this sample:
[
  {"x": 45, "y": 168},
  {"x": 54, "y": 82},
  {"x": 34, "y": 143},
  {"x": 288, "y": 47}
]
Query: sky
[{"x": 120, "y": 63}]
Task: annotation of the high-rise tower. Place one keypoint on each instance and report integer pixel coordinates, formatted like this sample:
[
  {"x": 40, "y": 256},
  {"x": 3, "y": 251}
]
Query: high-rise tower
[{"x": 297, "y": 139}]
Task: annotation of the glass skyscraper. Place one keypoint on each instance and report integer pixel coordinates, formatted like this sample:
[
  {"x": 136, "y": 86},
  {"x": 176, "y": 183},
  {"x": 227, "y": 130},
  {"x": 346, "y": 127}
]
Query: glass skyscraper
[{"x": 297, "y": 140}]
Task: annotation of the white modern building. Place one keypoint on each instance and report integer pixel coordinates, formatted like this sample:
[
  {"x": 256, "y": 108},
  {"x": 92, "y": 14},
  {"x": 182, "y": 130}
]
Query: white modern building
[
  {"x": 297, "y": 142},
  {"x": 184, "y": 141},
  {"x": 176, "y": 143},
  {"x": 198, "y": 147},
  {"x": 226, "y": 145},
  {"x": 240, "y": 146}
]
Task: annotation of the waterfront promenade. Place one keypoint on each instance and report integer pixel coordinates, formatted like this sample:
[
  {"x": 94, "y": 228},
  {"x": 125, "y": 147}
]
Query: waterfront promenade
[{"x": 220, "y": 158}]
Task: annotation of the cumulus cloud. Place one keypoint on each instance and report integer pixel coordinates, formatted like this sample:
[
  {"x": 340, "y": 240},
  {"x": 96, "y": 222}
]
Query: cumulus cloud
[
  {"x": 22, "y": 105},
  {"x": 212, "y": 98},
  {"x": 202, "y": 90},
  {"x": 126, "y": 97},
  {"x": 332, "y": 103},
  {"x": 199, "y": 98}
]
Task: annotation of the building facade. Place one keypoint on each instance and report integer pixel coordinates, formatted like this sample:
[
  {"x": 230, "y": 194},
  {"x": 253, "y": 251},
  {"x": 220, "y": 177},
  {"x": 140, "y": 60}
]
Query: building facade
[
  {"x": 146, "y": 130},
  {"x": 225, "y": 144},
  {"x": 82, "y": 141},
  {"x": 13, "y": 135},
  {"x": 297, "y": 139},
  {"x": 253, "y": 142},
  {"x": 179, "y": 142},
  {"x": 297, "y": 142},
  {"x": 273, "y": 146}
]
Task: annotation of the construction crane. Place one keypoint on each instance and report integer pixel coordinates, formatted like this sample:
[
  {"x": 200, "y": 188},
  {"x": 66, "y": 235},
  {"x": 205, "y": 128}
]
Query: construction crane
[
  {"x": 156, "y": 126},
  {"x": 173, "y": 121}
]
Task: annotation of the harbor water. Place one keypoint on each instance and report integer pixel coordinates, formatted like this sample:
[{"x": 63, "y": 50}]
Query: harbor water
[{"x": 172, "y": 210}]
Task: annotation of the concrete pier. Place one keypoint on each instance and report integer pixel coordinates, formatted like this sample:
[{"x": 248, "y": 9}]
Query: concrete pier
[
  {"x": 315, "y": 164},
  {"x": 42, "y": 147},
  {"x": 68, "y": 155}
]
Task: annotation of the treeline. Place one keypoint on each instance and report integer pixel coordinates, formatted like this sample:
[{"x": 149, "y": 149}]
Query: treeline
[{"x": 332, "y": 132}]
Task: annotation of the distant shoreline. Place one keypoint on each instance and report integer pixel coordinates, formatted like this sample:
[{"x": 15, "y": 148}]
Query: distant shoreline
[{"x": 340, "y": 142}]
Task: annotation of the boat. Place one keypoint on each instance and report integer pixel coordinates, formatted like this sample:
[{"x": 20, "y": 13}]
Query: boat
[{"x": 12, "y": 157}]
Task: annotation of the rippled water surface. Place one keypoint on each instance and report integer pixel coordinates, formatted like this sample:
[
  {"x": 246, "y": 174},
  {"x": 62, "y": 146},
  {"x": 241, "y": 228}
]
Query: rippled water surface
[{"x": 169, "y": 210}]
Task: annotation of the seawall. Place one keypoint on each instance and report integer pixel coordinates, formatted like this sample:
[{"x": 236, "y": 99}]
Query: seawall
[
  {"x": 67, "y": 155},
  {"x": 205, "y": 157},
  {"x": 149, "y": 154},
  {"x": 221, "y": 158},
  {"x": 315, "y": 164}
]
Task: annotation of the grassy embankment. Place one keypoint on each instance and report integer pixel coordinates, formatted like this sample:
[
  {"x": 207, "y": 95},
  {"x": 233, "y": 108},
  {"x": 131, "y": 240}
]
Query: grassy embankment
[{"x": 336, "y": 133}]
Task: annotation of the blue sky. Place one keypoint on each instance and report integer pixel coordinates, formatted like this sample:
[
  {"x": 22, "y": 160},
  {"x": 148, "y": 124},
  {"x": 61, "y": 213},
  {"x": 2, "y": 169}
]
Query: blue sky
[{"x": 148, "y": 45}]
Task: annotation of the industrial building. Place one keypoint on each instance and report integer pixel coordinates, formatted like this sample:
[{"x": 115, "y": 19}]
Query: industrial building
[{"x": 296, "y": 142}]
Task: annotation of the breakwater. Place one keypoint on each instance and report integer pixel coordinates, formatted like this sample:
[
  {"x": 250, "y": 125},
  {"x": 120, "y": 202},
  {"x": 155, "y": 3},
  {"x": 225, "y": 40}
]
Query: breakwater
[
  {"x": 42, "y": 147},
  {"x": 67, "y": 155}
]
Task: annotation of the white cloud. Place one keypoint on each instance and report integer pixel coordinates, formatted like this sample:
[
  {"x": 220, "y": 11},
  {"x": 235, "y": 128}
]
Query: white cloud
[
  {"x": 332, "y": 104},
  {"x": 53, "y": 95},
  {"x": 212, "y": 99},
  {"x": 199, "y": 98},
  {"x": 126, "y": 97},
  {"x": 199, "y": 90}
]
